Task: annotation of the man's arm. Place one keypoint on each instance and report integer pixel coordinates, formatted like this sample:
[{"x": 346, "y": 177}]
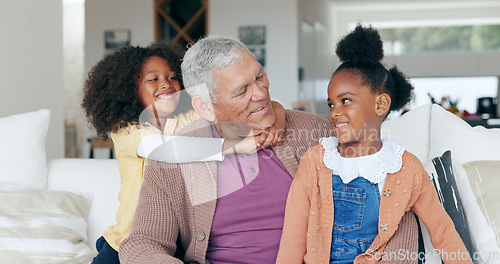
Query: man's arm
[{"x": 154, "y": 230}]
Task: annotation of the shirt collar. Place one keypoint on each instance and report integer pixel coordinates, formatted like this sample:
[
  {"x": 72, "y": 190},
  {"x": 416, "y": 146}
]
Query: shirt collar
[{"x": 374, "y": 167}]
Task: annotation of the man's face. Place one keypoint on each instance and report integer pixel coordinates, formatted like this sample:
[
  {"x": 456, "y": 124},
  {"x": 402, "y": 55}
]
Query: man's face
[{"x": 243, "y": 94}]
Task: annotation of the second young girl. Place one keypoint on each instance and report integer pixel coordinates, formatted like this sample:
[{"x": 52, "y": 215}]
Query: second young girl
[
  {"x": 351, "y": 191},
  {"x": 136, "y": 82}
]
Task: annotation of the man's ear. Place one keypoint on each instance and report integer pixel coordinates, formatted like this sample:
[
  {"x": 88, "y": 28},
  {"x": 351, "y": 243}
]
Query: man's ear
[
  {"x": 383, "y": 104},
  {"x": 204, "y": 108}
]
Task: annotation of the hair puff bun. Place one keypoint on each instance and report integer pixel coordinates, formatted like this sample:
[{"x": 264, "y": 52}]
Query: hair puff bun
[{"x": 363, "y": 46}]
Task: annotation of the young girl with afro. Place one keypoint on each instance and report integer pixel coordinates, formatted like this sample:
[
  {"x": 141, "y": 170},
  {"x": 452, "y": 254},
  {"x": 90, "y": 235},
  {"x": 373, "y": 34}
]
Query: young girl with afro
[
  {"x": 351, "y": 191},
  {"x": 133, "y": 93}
]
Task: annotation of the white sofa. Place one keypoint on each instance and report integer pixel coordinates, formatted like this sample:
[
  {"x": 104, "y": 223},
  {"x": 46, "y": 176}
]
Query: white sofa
[
  {"x": 426, "y": 131},
  {"x": 101, "y": 178}
]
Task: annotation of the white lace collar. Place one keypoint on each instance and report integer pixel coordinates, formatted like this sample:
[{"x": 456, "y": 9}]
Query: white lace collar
[{"x": 372, "y": 167}]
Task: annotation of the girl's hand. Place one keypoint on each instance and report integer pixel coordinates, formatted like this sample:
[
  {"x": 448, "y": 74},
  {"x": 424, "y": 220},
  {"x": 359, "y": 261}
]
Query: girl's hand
[
  {"x": 276, "y": 132},
  {"x": 248, "y": 145},
  {"x": 252, "y": 144}
]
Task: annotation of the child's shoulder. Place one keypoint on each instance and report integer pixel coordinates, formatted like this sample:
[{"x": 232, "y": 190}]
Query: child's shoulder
[
  {"x": 135, "y": 130},
  {"x": 410, "y": 159},
  {"x": 314, "y": 154},
  {"x": 413, "y": 166},
  {"x": 189, "y": 116}
]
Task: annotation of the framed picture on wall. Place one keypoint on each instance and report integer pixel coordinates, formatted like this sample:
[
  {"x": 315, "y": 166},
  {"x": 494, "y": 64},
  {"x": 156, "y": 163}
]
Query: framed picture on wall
[
  {"x": 254, "y": 37},
  {"x": 116, "y": 38},
  {"x": 306, "y": 106},
  {"x": 260, "y": 55}
]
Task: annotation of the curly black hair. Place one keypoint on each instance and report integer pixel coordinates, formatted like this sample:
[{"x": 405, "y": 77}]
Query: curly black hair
[
  {"x": 361, "y": 52},
  {"x": 110, "y": 93}
]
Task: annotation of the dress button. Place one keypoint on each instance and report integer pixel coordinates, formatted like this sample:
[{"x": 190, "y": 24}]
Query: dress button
[
  {"x": 384, "y": 227},
  {"x": 309, "y": 235},
  {"x": 313, "y": 249},
  {"x": 387, "y": 193},
  {"x": 313, "y": 213},
  {"x": 398, "y": 181},
  {"x": 405, "y": 190},
  {"x": 200, "y": 235},
  {"x": 396, "y": 204}
]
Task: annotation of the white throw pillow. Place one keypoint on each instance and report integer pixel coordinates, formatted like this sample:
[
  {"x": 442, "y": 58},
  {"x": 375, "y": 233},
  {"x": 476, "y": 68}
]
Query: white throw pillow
[
  {"x": 23, "y": 159},
  {"x": 450, "y": 132},
  {"x": 484, "y": 179},
  {"x": 42, "y": 226},
  {"x": 411, "y": 130}
]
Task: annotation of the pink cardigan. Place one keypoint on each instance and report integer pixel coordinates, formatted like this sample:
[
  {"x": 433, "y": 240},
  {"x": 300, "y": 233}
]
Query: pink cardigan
[{"x": 307, "y": 230}]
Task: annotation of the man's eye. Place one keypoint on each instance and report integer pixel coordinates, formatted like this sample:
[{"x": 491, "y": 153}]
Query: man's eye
[
  {"x": 173, "y": 78},
  {"x": 153, "y": 79},
  {"x": 260, "y": 77},
  {"x": 346, "y": 100},
  {"x": 243, "y": 92},
  {"x": 330, "y": 105}
]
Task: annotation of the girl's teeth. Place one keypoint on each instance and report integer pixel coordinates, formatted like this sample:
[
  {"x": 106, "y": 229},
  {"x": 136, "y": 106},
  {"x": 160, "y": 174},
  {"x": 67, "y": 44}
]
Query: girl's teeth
[{"x": 163, "y": 96}]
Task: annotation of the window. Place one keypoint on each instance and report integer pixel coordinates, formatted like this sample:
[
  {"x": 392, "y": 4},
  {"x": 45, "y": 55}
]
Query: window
[
  {"x": 463, "y": 90},
  {"x": 472, "y": 38}
]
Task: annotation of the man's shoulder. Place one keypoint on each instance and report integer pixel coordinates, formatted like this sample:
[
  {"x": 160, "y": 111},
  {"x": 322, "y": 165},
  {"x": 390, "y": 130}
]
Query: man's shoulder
[
  {"x": 301, "y": 115},
  {"x": 198, "y": 128},
  {"x": 298, "y": 119}
]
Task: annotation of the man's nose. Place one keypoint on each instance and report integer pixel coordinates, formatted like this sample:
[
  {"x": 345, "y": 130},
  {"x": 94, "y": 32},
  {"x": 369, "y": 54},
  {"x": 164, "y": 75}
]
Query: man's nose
[{"x": 258, "y": 92}]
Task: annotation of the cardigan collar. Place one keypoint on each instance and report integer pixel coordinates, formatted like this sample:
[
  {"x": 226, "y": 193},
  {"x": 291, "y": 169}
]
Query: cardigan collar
[{"x": 372, "y": 167}]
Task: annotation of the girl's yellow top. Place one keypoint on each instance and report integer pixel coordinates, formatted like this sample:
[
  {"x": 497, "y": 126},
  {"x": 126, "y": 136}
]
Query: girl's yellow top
[{"x": 132, "y": 167}]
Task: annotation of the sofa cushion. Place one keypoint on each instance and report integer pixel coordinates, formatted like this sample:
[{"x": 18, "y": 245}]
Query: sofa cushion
[
  {"x": 22, "y": 159},
  {"x": 100, "y": 177},
  {"x": 41, "y": 226},
  {"x": 411, "y": 130},
  {"x": 441, "y": 173},
  {"x": 450, "y": 132},
  {"x": 484, "y": 178}
]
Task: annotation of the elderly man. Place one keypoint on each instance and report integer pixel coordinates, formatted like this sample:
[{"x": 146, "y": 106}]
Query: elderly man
[{"x": 229, "y": 211}]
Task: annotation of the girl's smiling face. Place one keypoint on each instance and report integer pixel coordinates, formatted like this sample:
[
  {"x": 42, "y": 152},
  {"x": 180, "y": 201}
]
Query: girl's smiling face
[
  {"x": 159, "y": 86},
  {"x": 353, "y": 111}
]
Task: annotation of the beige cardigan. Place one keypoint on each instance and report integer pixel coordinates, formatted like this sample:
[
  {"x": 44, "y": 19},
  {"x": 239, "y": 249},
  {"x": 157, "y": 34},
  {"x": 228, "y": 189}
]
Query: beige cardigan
[
  {"x": 177, "y": 201},
  {"x": 307, "y": 231}
]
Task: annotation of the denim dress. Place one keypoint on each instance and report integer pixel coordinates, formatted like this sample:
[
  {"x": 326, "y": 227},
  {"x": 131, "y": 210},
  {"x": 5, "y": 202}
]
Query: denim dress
[
  {"x": 356, "y": 213},
  {"x": 356, "y": 196}
]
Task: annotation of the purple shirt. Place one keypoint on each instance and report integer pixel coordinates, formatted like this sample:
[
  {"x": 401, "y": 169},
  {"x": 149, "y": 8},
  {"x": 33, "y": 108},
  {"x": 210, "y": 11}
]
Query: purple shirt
[{"x": 248, "y": 219}]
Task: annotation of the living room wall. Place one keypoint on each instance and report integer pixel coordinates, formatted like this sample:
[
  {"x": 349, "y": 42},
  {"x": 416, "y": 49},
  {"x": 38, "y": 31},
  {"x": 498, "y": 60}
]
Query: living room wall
[
  {"x": 102, "y": 15},
  {"x": 281, "y": 20},
  {"x": 31, "y": 64}
]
